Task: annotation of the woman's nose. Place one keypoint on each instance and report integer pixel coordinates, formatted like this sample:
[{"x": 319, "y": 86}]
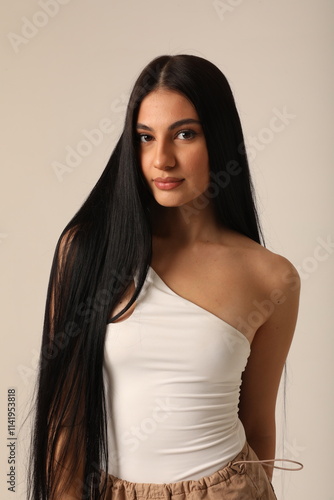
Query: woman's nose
[{"x": 164, "y": 157}]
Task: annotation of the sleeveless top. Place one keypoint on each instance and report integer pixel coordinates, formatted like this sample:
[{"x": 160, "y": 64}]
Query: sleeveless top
[{"x": 172, "y": 374}]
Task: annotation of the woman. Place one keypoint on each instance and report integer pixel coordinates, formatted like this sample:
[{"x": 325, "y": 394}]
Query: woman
[{"x": 161, "y": 298}]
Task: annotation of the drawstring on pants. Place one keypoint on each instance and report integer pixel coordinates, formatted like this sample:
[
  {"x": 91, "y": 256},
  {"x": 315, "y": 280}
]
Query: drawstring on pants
[{"x": 268, "y": 464}]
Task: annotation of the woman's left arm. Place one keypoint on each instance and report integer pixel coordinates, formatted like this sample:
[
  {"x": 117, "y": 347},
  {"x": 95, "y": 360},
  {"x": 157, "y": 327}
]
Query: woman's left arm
[{"x": 269, "y": 351}]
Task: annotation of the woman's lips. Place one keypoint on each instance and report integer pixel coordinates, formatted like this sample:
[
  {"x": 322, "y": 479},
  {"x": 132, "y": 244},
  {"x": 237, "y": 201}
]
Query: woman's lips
[{"x": 167, "y": 183}]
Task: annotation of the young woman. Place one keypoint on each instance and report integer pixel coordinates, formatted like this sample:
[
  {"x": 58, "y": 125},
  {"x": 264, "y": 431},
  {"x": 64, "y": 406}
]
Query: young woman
[{"x": 167, "y": 322}]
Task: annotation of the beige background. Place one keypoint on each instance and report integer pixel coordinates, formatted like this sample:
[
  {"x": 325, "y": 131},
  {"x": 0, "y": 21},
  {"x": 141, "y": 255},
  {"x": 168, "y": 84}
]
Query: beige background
[{"x": 76, "y": 69}]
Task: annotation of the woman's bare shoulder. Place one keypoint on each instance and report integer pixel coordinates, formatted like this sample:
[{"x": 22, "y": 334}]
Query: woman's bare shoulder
[{"x": 262, "y": 264}]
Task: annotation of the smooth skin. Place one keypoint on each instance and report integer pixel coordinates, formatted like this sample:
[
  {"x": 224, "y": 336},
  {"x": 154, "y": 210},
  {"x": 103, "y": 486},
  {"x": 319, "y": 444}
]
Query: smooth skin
[{"x": 222, "y": 271}]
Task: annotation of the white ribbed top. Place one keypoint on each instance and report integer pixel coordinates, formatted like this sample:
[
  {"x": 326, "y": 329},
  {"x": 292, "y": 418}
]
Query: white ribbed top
[{"x": 173, "y": 374}]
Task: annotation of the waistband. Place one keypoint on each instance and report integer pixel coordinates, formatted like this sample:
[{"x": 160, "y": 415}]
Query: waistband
[{"x": 235, "y": 466}]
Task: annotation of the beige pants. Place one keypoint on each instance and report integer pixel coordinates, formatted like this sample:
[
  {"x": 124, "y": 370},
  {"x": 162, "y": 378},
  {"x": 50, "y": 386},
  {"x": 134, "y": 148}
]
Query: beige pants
[{"x": 246, "y": 481}]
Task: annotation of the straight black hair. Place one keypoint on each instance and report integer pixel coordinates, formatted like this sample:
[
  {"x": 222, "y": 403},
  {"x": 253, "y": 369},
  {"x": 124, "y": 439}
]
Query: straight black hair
[{"x": 103, "y": 247}]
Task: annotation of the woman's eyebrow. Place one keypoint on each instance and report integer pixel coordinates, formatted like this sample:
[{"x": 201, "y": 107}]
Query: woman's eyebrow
[{"x": 174, "y": 125}]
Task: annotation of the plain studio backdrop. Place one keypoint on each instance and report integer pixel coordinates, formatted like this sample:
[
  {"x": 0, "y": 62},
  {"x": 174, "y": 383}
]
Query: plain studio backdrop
[{"x": 67, "y": 67}]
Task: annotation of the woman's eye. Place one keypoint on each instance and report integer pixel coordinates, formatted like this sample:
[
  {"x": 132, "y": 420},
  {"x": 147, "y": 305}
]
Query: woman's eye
[
  {"x": 186, "y": 134},
  {"x": 144, "y": 138}
]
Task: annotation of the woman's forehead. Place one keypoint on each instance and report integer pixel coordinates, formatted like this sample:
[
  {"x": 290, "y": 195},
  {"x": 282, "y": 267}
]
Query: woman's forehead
[{"x": 165, "y": 105}]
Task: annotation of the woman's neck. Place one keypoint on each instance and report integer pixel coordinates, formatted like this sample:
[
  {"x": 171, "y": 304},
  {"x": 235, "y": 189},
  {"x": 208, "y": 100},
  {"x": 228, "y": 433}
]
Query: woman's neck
[{"x": 186, "y": 224}]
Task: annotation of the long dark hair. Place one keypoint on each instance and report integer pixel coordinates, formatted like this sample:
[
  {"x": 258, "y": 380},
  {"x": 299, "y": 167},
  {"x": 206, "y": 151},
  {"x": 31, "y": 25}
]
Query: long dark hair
[{"x": 98, "y": 254}]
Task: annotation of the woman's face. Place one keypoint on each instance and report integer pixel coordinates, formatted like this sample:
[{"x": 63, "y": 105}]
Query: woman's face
[{"x": 172, "y": 148}]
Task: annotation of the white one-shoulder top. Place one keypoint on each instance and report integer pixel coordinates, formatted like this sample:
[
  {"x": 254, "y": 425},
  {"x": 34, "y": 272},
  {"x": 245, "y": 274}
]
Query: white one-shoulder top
[{"x": 172, "y": 376}]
